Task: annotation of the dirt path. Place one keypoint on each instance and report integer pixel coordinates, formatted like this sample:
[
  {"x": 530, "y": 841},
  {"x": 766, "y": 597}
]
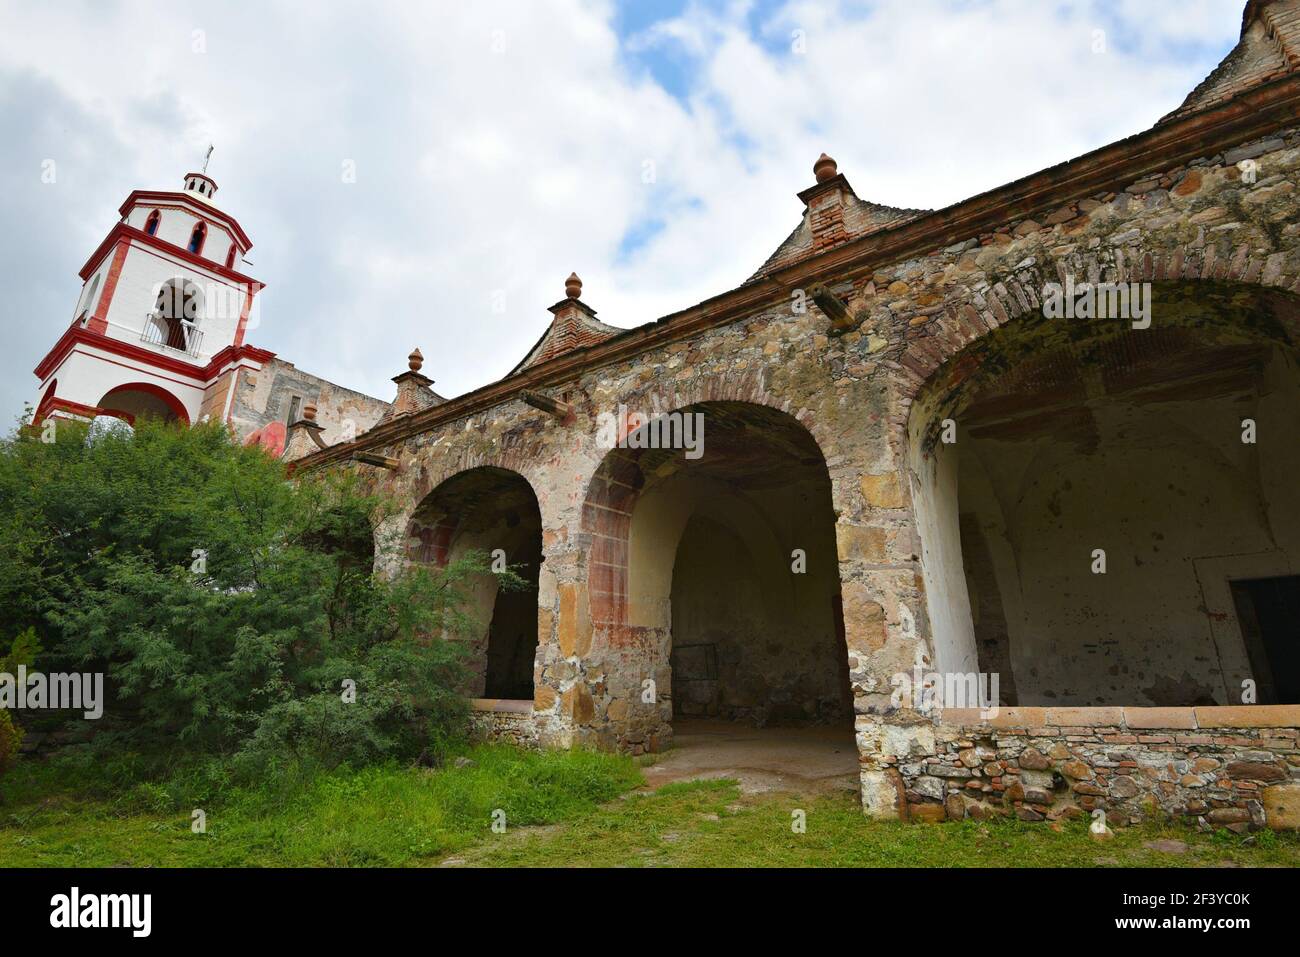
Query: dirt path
[
  {"x": 803, "y": 761},
  {"x": 813, "y": 760}
]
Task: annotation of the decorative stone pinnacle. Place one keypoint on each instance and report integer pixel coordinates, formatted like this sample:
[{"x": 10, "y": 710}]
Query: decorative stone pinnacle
[
  {"x": 573, "y": 286},
  {"x": 825, "y": 168},
  {"x": 416, "y": 361},
  {"x": 309, "y": 412}
]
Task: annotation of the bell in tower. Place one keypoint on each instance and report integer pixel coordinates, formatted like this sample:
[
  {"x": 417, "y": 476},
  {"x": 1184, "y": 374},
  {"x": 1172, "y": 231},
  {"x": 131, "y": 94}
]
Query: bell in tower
[{"x": 159, "y": 325}]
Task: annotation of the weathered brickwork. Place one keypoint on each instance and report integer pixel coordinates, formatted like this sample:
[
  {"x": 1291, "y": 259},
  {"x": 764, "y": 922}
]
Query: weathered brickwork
[{"x": 865, "y": 330}]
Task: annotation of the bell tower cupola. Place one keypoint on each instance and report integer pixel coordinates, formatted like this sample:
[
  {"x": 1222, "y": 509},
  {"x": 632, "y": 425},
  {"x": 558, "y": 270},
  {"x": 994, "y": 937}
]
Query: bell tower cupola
[{"x": 160, "y": 320}]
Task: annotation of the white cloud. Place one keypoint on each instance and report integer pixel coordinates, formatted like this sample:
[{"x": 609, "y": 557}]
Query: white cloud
[{"x": 499, "y": 146}]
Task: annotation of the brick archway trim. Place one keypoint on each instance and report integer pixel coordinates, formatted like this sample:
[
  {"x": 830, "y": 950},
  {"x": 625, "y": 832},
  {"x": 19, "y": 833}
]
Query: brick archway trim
[{"x": 963, "y": 323}]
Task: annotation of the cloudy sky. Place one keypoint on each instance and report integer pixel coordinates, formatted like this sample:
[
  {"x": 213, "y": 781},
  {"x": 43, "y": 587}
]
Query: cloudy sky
[{"x": 653, "y": 147}]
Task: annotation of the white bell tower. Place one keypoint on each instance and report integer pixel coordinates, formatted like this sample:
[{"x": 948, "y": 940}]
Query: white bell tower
[{"x": 159, "y": 326}]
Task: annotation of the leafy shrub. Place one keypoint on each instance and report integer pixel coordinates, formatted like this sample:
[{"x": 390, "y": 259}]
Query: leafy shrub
[
  {"x": 11, "y": 739},
  {"x": 230, "y": 609},
  {"x": 22, "y": 651}
]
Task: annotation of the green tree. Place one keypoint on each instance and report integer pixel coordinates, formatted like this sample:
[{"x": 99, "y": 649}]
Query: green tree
[
  {"x": 235, "y": 613},
  {"x": 22, "y": 651}
]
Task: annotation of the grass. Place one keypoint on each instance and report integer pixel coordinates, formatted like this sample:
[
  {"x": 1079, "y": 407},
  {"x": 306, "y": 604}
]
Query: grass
[
  {"x": 709, "y": 824},
  {"x": 381, "y": 816},
  {"x": 397, "y": 816}
]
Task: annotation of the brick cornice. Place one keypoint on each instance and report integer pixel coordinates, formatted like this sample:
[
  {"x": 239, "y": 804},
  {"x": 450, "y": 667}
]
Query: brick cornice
[{"x": 1252, "y": 114}]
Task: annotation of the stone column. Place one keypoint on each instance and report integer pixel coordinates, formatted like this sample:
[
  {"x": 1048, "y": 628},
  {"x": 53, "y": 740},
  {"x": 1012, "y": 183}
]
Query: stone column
[
  {"x": 591, "y": 674},
  {"x": 563, "y": 703},
  {"x": 884, "y": 624}
]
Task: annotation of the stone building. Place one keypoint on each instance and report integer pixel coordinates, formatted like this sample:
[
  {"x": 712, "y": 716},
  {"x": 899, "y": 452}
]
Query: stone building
[{"x": 1047, "y": 435}]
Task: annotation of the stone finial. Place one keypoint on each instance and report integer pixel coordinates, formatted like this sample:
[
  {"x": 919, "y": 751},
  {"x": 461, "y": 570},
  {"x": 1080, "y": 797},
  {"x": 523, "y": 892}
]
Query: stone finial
[
  {"x": 825, "y": 168},
  {"x": 573, "y": 286},
  {"x": 415, "y": 360},
  {"x": 309, "y": 412}
]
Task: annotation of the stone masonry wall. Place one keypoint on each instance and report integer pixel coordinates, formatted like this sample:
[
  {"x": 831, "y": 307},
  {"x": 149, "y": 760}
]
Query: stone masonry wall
[
  {"x": 487, "y": 721},
  {"x": 1237, "y": 767},
  {"x": 589, "y": 669},
  {"x": 854, "y": 392},
  {"x": 925, "y": 320},
  {"x": 263, "y": 397}
]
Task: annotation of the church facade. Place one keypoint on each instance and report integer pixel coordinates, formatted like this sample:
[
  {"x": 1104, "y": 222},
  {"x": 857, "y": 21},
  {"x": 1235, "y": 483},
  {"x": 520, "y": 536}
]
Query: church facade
[
  {"x": 161, "y": 325},
  {"x": 1006, "y": 488}
]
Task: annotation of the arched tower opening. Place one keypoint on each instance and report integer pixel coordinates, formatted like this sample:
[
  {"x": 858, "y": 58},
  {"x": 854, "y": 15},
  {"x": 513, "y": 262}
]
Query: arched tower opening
[{"x": 135, "y": 399}]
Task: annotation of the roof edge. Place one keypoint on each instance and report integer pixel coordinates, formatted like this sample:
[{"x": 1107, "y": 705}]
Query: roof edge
[{"x": 1253, "y": 113}]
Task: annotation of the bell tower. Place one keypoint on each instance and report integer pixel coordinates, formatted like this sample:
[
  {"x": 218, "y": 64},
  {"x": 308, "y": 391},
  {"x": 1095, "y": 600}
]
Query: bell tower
[{"x": 158, "y": 328}]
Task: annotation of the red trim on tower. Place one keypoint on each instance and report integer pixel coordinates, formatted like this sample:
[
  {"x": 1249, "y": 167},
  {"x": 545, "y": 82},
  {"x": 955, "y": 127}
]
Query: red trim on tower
[
  {"x": 188, "y": 380},
  {"x": 78, "y": 335},
  {"x": 243, "y": 318},
  {"x": 98, "y": 322},
  {"x": 43, "y": 407},
  {"x": 205, "y": 216},
  {"x": 74, "y": 408},
  {"x": 233, "y": 354},
  {"x": 203, "y": 176},
  {"x": 122, "y": 230},
  {"x": 145, "y": 197},
  {"x": 173, "y": 403},
  {"x": 201, "y": 228}
]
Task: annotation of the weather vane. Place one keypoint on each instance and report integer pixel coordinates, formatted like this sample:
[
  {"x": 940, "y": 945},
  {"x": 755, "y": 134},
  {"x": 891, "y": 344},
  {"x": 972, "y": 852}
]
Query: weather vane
[{"x": 211, "y": 147}]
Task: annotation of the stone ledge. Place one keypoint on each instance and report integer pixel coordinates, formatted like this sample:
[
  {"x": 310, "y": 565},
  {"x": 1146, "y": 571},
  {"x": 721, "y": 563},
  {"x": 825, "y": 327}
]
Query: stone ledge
[
  {"x": 1181, "y": 719},
  {"x": 1087, "y": 717},
  {"x": 1144, "y": 719},
  {"x": 510, "y": 705},
  {"x": 1250, "y": 716}
]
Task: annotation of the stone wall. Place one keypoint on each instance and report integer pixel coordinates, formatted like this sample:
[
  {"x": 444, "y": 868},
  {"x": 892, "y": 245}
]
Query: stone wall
[
  {"x": 264, "y": 397},
  {"x": 493, "y": 720},
  {"x": 1232, "y": 766},
  {"x": 871, "y": 398}
]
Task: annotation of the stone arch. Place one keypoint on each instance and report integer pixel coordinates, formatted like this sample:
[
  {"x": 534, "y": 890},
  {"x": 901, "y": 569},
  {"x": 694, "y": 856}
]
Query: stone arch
[
  {"x": 1085, "y": 408},
  {"x": 493, "y": 511},
  {"x": 429, "y": 470},
  {"x": 970, "y": 318},
  {"x": 613, "y": 488},
  {"x": 642, "y": 508},
  {"x": 749, "y": 387}
]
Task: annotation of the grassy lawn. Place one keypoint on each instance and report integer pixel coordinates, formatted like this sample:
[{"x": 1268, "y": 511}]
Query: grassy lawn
[
  {"x": 709, "y": 824},
  {"x": 385, "y": 816},
  {"x": 407, "y": 817}
]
